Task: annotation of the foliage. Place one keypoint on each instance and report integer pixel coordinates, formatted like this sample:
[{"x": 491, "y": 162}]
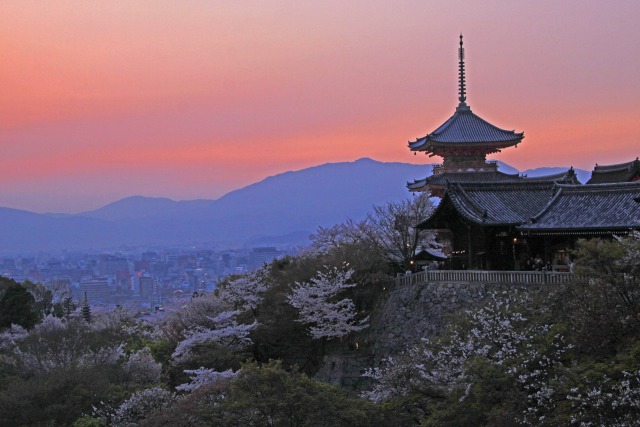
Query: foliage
[
  {"x": 278, "y": 335},
  {"x": 518, "y": 360},
  {"x": 56, "y": 344},
  {"x": 57, "y": 398},
  {"x": 141, "y": 368},
  {"x": 320, "y": 307},
  {"x": 388, "y": 233},
  {"x": 62, "y": 368},
  {"x": 501, "y": 337},
  {"x": 392, "y": 229},
  {"x": 204, "y": 377},
  {"x": 327, "y": 239},
  {"x": 206, "y": 332},
  {"x": 606, "y": 401},
  {"x": 603, "y": 307},
  {"x": 141, "y": 405},
  {"x": 43, "y": 297},
  {"x": 565, "y": 357},
  {"x": 270, "y": 396},
  {"x": 223, "y": 329},
  {"x": 17, "y": 306},
  {"x": 246, "y": 292}
]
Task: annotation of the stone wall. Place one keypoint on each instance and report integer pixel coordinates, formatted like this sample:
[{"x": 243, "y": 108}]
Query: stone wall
[
  {"x": 411, "y": 312},
  {"x": 404, "y": 315}
]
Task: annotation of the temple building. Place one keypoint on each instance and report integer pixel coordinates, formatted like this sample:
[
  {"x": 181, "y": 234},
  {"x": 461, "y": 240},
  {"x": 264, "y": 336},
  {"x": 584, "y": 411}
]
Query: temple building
[
  {"x": 624, "y": 172},
  {"x": 495, "y": 221},
  {"x": 463, "y": 142},
  {"x": 515, "y": 225}
]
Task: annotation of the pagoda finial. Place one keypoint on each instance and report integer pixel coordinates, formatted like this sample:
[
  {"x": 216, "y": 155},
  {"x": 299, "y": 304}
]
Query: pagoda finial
[{"x": 462, "y": 88}]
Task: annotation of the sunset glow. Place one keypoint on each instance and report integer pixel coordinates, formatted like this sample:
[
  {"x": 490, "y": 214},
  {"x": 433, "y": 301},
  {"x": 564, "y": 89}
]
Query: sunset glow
[{"x": 102, "y": 100}]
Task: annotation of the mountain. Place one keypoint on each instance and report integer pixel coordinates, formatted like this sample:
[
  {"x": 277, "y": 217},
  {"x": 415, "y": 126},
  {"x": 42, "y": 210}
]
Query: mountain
[
  {"x": 27, "y": 231},
  {"x": 280, "y": 209}
]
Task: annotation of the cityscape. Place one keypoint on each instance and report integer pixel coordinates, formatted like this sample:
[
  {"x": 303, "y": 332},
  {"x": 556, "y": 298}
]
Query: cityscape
[{"x": 143, "y": 280}]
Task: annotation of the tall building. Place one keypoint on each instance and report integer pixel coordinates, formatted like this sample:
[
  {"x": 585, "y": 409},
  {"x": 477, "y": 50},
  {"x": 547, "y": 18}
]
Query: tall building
[
  {"x": 146, "y": 285},
  {"x": 97, "y": 290}
]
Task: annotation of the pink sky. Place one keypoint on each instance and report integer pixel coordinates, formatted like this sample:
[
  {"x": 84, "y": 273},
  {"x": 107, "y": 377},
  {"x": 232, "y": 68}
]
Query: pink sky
[{"x": 102, "y": 100}]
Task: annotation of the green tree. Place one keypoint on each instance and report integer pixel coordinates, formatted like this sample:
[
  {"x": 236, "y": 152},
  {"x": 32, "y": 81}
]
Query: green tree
[
  {"x": 18, "y": 306},
  {"x": 270, "y": 396},
  {"x": 603, "y": 305}
]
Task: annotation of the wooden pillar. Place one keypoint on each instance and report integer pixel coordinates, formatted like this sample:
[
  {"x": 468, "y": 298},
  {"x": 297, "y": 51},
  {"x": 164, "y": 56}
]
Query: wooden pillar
[
  {"x": 547, "y": 249},
  {"x": 470, "y": 248}
]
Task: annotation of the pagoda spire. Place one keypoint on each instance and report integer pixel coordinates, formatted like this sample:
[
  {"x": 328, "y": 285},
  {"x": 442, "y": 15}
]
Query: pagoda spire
[{"x": 462, "y": 87}]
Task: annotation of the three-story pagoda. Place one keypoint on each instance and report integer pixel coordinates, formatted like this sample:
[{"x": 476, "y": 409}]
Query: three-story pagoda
[{"x": 463, "y": 142}]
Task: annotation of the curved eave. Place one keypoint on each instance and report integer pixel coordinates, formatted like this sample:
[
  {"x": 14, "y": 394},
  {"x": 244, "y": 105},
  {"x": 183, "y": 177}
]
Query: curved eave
[
  {"x": 418, "y": 185},
  {"x": 428, "y": 144},
  {"x": 583, "y": 231},
  {"x": 426, "y": 224}
]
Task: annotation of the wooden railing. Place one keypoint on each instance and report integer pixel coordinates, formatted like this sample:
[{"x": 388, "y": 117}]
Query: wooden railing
[{"x": 476, "y": 276}]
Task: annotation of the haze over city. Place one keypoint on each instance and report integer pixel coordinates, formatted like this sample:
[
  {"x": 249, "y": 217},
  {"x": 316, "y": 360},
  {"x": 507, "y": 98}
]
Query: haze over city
[{"x": 102, "y": 100}]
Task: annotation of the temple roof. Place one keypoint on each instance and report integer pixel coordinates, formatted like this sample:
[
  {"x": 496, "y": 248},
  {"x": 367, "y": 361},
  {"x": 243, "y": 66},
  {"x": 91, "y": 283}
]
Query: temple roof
[
  {"x": 447, "y": 178},
  {"x": 623, "y": 172},
  {"x": 596, "y": 207},
  {"x": 503, "y": 204},
  {"x": 465, "y": 127}
]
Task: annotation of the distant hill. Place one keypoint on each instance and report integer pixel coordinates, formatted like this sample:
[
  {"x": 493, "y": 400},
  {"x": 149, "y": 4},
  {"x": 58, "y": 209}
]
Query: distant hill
[{"x": 280, "y": 209}]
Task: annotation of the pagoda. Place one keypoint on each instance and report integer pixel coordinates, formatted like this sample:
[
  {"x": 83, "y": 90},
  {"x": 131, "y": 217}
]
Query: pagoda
[{"x": 463, "y": 142}]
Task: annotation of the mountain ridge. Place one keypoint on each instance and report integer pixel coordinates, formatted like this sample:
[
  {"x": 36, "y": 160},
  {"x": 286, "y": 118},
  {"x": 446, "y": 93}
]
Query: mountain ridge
[{"x": 291, "y": 203}]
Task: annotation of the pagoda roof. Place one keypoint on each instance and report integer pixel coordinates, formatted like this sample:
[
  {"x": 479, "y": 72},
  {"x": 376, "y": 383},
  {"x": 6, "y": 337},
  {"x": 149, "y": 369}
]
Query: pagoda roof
[
  {"x": 589, "y": 208},
  {"x": 497, "y": 204},
  {"x": 466, "y": 128},
  {"x": 447, "y": 178},
  {"x": 623, "y": 172}
]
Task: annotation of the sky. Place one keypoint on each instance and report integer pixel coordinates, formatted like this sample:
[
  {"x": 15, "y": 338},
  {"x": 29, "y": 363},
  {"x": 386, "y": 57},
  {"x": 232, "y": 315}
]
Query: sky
[{"x": 100, "y": 100}]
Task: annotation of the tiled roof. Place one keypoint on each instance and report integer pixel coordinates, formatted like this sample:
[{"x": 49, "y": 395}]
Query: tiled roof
[
  {"x": 623, "y": 172},
  {"x": 444, "y": 179},
  {"x": 464, "y": 127},
  {"x": 605, "y": 207},
  {"x": 568, "y": 177},
  {"x": 506, "y": 203},
  {"x": 447, "y": 178}
]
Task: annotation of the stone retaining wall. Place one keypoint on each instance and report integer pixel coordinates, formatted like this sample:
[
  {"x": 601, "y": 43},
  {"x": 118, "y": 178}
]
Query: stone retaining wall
[
  {"x": 404, "y": 315},
  {"x": 420, "y": 310}
]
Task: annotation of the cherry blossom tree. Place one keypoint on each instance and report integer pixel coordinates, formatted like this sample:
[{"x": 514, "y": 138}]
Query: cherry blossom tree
[
  {"x": 245, "y": 292},
  {"x": 606, "y": 401},
  {"x": 329, "y": 238},
  {"x": 392, "y": 229},
  {"x": 56, "y": 344},
  {"x": 141, "y": 368},
  {"x": 204, "y": 377},
  {"x": 501, "y": 336},
  {"x": 320, "y": 306},
  {"x": 140, "y": 405},
  {"x": 222, "y": 329}
]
